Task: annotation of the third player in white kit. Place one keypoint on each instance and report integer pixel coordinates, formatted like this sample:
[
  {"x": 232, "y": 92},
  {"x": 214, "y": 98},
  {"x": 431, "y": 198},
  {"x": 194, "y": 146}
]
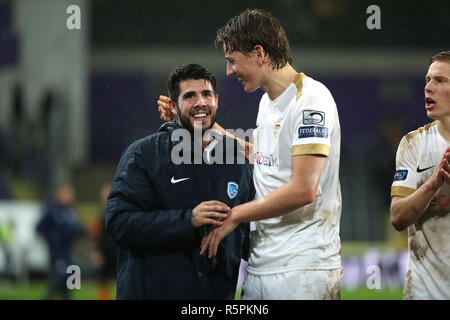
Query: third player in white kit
[{"x": 421, "y": 191}]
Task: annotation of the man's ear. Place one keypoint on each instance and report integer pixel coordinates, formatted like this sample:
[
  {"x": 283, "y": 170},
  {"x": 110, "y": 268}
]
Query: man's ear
[
  {"x": 173, "y": 107},
  {"x": 260, "y": 54},
  {"x": 217, "y": 101}
]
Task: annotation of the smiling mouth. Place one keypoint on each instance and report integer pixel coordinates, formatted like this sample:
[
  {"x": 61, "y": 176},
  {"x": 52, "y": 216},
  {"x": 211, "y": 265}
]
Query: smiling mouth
[{"x": 199, "y": 116}]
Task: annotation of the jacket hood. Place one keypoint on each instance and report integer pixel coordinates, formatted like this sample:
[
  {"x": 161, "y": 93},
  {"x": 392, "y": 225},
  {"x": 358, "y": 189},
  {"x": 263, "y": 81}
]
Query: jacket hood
[{"x": 169, "y": 126}]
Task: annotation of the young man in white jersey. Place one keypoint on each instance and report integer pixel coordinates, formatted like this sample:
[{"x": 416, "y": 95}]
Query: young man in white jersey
[
  {"x": 295, "y": 237},
  {"x": 421, "y": 191}
]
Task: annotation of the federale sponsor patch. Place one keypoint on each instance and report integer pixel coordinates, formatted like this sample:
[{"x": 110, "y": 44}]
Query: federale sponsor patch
[
  {"x": 312, "y": 132},
  {"x": 400, "y": 175}
]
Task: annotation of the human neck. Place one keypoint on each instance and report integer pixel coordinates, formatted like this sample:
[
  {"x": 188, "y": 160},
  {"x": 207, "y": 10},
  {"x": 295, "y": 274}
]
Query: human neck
[
  {"x": 444, "y": 128},
  {"x": 277, "y": 81}
]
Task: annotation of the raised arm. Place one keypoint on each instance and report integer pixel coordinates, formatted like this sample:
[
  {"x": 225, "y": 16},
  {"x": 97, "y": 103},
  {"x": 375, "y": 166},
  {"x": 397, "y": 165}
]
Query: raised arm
[
  {"x": 409, "y": 209},
  {"x": 167, "y": 115}
]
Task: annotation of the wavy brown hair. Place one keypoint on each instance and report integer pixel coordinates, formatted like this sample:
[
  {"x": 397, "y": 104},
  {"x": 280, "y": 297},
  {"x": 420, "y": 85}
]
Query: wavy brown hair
[{"x": 255, "y": 27}]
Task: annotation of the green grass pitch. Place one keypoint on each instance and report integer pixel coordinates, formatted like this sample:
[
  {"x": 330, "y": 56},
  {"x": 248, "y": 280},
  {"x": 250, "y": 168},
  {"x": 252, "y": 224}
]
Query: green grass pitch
[{"x": 36, "y": 290}]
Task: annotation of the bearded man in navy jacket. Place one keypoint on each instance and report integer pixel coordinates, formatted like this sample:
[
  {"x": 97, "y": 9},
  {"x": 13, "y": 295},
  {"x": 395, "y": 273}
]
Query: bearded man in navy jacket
[{"x": 169, "y": 190}]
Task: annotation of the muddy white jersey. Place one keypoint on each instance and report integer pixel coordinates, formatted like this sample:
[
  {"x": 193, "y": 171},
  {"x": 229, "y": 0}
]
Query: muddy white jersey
[
  {"x": 428, "y": 273},
  {"x": 303, "y": 120}
]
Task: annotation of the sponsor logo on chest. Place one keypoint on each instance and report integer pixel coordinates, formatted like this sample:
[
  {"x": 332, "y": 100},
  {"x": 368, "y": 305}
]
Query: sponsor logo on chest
[{"x": 265, "y": 160}]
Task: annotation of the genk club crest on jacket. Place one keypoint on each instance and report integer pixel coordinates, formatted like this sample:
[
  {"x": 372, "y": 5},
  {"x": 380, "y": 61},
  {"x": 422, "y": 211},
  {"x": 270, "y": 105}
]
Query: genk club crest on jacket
[{"x": 232, "y": 189}]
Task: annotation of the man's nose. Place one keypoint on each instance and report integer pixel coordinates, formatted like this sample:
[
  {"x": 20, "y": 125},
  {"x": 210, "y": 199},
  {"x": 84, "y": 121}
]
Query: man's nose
[
  {"x": 200, "y": 101},
  {"x": 429, "y": 87}
]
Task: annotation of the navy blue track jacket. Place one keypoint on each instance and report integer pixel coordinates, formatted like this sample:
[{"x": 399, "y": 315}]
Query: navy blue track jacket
[{"x": 149, "y": 213}]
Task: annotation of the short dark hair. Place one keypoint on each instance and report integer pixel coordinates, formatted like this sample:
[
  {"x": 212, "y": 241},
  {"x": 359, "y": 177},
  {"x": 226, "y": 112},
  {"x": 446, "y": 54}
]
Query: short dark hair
[
  {"x": 255, "y": 27},
  {"x": 441, "y": 56},
  {"x": 187, "y": 72}
]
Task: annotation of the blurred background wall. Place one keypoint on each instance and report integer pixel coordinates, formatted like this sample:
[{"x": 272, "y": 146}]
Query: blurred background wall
[{"x": 71, "y": 101}]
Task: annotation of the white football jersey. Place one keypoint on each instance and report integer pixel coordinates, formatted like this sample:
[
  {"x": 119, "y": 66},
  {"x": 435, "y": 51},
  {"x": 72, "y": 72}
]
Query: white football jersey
[
  {"x": 302, "y": 120},
  {"x": 428, "y": 274}
]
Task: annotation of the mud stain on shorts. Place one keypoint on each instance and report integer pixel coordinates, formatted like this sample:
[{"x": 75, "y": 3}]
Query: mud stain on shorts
[
  {"x": 333, "y": 292},
  {"x": 407, "y": 290}
]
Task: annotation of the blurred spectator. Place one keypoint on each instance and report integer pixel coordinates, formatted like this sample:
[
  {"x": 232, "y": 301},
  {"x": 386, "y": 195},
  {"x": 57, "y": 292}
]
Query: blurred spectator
[
  {"x": 59, "y": 225},
  {"x": 104, "y": 256}
]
